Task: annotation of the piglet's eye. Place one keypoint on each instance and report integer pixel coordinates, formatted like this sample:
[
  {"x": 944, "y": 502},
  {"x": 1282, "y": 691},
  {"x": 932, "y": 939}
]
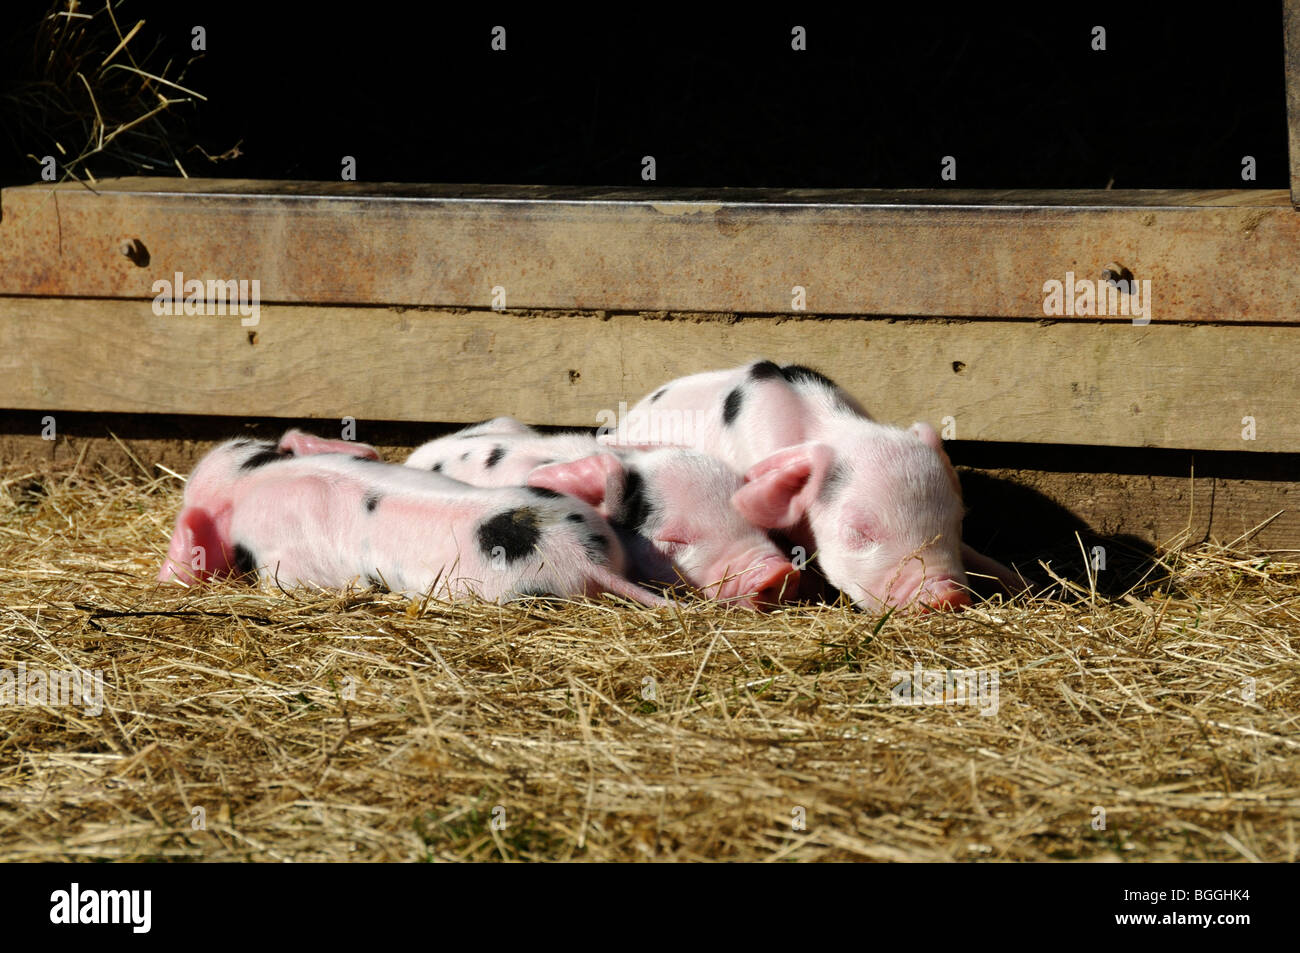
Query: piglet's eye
[
  {"x": 671, "y": 542},
  {"x": 861, "y": 535},
  {"x": 674, "y": 536}
]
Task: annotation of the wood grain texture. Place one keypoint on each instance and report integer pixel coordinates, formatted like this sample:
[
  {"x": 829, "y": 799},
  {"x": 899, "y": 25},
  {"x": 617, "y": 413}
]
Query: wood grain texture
[
  {"x": 1179, "y": 386},
  {"x": 1209, "y": 256}
]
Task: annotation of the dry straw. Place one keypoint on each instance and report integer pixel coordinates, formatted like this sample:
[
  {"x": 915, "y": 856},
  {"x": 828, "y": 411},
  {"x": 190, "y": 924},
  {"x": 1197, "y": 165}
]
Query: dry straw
[
  {"x": 244, "y": 725},
  {"x": 95, "y": 88}
]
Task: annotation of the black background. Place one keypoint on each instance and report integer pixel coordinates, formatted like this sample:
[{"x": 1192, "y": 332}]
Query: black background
[
  {"x": 344, "y": 906},
  {"x": 1017, "y": 95}
]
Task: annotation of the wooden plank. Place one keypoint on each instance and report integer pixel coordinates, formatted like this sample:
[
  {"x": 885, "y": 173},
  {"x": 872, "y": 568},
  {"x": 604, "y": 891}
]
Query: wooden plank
[
  {"x": 1024, "y": 502},
  {"x": 1208, "y": 256},
  {"x": 1292, "y": 32},
  {"x": 1181, "y": 386},
  {"x": 1023, "y": 514},
  {"x": 271, "y": 189}
]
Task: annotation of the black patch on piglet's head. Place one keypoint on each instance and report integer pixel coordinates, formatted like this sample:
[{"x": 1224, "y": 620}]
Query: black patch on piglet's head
[
  {"x": 515, "y": 531},
  {"x": 764, "y": 370},
  {"x": 731, "y": 406},
  {"x": 495, "y": 456},
  {"x": 372, "y": 501}
]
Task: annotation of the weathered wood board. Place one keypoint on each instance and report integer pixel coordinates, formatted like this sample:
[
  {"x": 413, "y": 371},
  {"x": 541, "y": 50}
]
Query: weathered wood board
[
  {"x": 1209, "y": 256},
  {"x": 1177, "y": 386}
]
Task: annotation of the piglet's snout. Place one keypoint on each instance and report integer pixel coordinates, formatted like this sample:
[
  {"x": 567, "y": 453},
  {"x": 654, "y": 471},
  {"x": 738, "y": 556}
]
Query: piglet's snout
[
  {"x": 938, "y": 592},
  {"x": 766, "y": 583}
]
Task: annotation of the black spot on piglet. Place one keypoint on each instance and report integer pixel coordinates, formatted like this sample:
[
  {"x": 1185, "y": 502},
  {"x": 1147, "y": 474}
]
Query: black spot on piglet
[
  {"x": 835, "y": 481},
  {"x": 636, "y": 504},
  {"x": 764, "y": 370},
  {"x": 268, "y": 454},
  {"x": 543, "y": 492},
  {"x": 798, "y": 374},
  {"x": 515, "y": 531},
  {"x": 597, "y": 546},
  {"x": 657, "y": 394},
  {"x": 245, "y": 561},
  {"x": 495, "y": 456},
  {"x": 372, "y": 500},
  {"x": 437, "y": 467},
  {"x": 731, "y": 406}
]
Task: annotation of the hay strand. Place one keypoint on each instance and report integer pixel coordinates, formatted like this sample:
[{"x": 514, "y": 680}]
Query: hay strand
[{"x": 248, "y": 725}]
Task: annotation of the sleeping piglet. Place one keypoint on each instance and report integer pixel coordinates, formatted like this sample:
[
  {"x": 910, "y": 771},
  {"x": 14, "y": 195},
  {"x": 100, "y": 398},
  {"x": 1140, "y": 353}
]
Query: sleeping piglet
[
  {"x": 671, "y": 507},
  {"x": 880, "y": 506},
  {"x": 327, "y": 513}
]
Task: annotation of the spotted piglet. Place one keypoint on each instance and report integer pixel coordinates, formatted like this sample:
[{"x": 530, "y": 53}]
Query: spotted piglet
[
  {"x": 881, "y": 506},
  {"x": 326, "y": 513},
  {"x": 671, "y": 507}
]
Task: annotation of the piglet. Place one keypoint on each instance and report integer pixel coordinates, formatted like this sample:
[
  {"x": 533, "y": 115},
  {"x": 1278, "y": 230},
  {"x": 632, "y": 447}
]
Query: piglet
[
  {"x": 881, "y": 506},
  {"x": 324, "y": 513},
  {"x": 671, "y": 507}
]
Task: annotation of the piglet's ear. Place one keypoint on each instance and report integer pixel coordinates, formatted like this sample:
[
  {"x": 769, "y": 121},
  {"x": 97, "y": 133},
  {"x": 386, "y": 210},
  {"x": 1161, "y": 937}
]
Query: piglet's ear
[
  {"x": 927, "y": 435},
  {"x": 930, "y": 438},
  {"x": 597, "y": 480},
  {"x": 305, "y": 445},
  {"x": 779, "y": 490},
  {"x": 196, "y": 551}
]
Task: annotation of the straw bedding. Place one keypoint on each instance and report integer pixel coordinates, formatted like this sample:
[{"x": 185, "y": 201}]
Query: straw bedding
[{"x": 248, "y": 725}]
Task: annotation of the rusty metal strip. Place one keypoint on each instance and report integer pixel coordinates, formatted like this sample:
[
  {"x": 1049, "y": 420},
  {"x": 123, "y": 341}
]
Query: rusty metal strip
[{"x": 1208, "y": 256}]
